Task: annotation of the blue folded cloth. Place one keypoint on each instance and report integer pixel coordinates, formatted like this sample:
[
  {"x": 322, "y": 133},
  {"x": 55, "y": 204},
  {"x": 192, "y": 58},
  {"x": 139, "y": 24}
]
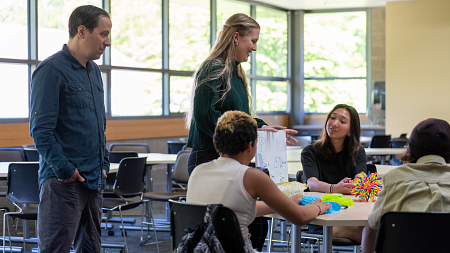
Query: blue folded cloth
[{"x": 310, "y": 198}]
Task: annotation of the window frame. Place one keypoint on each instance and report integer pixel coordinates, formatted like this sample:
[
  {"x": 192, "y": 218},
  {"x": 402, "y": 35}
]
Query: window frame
[
  {"x": 368, "y": 57},
  {"x": 32, "y": 60}
]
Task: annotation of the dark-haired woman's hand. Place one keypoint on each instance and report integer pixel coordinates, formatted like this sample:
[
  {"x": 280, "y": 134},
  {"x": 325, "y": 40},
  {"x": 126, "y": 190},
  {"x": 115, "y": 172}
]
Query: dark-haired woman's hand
[
  {"x": 343, "y": 186},
  {"x": 289, "y": 139}
]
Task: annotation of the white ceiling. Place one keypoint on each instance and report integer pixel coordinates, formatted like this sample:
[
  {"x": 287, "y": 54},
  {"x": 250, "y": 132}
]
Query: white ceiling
[{"x": 325, "y": 4}]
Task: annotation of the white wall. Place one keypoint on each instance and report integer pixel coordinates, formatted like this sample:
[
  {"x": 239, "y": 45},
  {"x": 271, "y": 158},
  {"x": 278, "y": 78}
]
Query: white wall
[{"x": 417, "y": 63}]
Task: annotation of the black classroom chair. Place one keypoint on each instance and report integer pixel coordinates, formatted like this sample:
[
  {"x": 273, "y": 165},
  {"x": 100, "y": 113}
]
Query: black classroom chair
[
  {"x": 405, "y": 232},
  {"x": 135, "y": 147},
  {"x": 20, "y": 175},
  {"x": 12, "y": 155},
  {"x": 180, "y": 175},
  {"x": 378, "y": 141},
  {"x": 180, "y": 178},
  {"x": 226, "y": 225},
  {"x": 129, "y": 190},
  {"x": 371, "y": 168},
  {"x": 31, "y": 154},
  {"x": 173, "y": 147},
  {"x": 400, "y": 142}
]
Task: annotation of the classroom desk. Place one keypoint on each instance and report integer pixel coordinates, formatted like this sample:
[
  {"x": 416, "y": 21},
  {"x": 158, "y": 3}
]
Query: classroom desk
[
  {"x": 316, "y": 129},
  {"x": 294, "y": 154},
  {"x": 356, "y": 215},
  {"x": 383, "y": 152},
  {"x": 157, "y": 158}
]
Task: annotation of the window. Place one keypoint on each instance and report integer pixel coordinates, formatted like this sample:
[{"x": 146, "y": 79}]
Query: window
[
  {"x": 13, "y": 98},
  {"x": 271, "y": 54},
  {"x": 157, "y": 45},
  {"x": 335, "y": 63},
  {"x": 180, "y": 90},
  {"x": 136, "y": 36},
  {"x": 227, "y": 8},
  {"x": 53, "y": 17},
  {"x": 272, "y": 95},
  {"x": 271, "y": 60},
  {"x": 13, "y": 23},
  {"x": 189, "y": 29},
  {"x": 135, "y": 93}
]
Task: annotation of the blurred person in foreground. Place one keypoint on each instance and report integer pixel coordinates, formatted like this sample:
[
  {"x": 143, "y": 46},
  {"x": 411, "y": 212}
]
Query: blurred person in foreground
[
  {"x": 67, "y": 124},
  {"x": 229, "y": 181},
  {"x": 422, "y": 184}
]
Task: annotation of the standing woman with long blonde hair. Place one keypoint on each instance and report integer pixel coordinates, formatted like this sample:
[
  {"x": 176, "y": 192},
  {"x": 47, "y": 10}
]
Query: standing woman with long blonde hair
[{"x": 220, "y": 85}]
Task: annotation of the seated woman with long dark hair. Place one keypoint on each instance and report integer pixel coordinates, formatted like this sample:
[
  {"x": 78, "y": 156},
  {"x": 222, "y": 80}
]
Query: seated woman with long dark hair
[
  {"x": 336, "y": 158},
  {"x": 229, "y": 181}
]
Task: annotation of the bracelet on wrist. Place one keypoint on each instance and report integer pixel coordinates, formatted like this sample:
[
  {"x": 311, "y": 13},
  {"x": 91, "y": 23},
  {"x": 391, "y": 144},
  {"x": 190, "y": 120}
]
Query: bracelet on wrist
[{"x": 320, "y": 209}]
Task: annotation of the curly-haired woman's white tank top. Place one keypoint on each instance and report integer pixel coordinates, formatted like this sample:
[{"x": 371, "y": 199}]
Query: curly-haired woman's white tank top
[{"x": 222, "y": 182}]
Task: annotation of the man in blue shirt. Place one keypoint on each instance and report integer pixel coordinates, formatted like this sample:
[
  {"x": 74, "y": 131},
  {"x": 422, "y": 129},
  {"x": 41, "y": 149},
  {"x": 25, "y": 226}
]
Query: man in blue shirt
[{"x": 68, "y": 123}]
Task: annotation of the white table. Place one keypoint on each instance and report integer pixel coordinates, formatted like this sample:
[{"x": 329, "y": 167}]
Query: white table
[
  {"x": 158, "y": 158},
  {"x": 383, "y": 169},
  {"x": 294, "y": 154},
  {"x": 356, "y": 215}
]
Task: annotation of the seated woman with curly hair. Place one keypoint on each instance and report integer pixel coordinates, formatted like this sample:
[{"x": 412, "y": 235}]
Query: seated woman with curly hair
[{"x": 229, "y": 180}]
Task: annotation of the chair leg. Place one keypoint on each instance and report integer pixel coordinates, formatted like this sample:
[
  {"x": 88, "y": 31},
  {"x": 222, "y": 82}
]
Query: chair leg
[
  {"x": 289, "y": 241},
  {"x": 152, "y": 221},
  {"x": 9, "y": 235},
  {"x": 154, "y": 226},
  {"x": 4, "y": 231},
  {"x": 269, "y": 246},
  {"x": 123, "y": 228},
  {"x": 106, "y": 231}
]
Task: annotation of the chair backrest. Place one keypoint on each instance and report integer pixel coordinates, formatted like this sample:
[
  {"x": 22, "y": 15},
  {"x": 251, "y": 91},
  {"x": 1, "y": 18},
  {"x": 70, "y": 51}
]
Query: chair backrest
[
  {"x": 228, "y": 231},
  {"x": 136, "y": 147},
  {"x": 398, "y": 143},
  {"x": 380, "y": 141},
  {"x": 413, "y": 232},
  {"x": 315, "y": 138},
  {"x": 180, "y": 171},
  {"x": 117, "y": 156},
  {"x": 11, "y": 155},
  {"x": 23, "y": 183},
  {"x": 371, "y": 168},
  {"x": 299, "y": 176},
  {"x": 173, "y": 147},
  {"x": 183, "y": 215},
  {"x": 130, "y": 176},
  {"x": 302, "y": 141},
  {"x": 32, "y": 146},
  {"x": 31, "y": 154}
]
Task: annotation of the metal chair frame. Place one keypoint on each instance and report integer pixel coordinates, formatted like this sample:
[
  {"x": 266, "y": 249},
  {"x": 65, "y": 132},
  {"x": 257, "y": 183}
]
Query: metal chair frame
[
  {"x": 20, "y": 175},
  {"x": 129, "y": 189}
]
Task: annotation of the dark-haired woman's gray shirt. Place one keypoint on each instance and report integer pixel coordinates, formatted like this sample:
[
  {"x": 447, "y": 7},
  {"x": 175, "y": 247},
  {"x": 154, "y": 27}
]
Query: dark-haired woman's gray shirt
[
  {"x": 334, "y": 170},
  {"x": 330, "y": 171}
]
